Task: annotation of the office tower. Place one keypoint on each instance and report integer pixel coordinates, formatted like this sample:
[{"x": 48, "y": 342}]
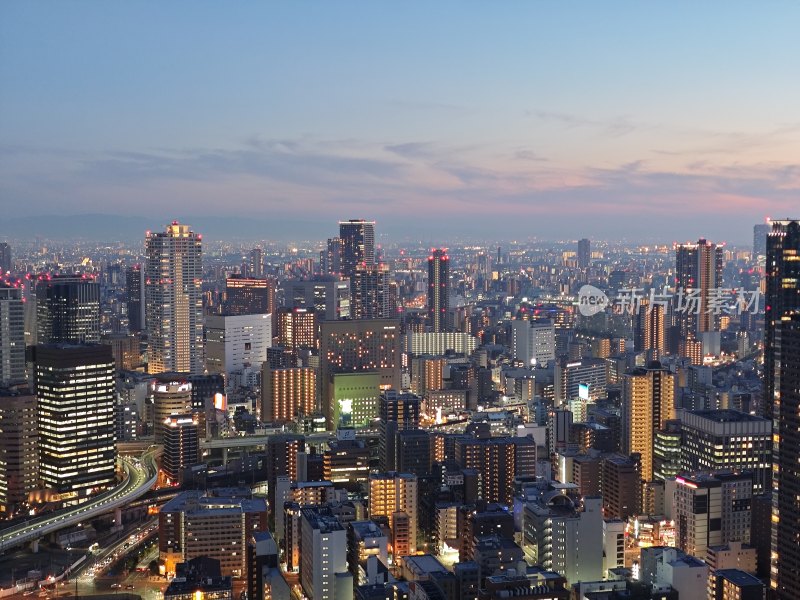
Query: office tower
[
  {"x": 667, "y": 454},
  {"x": 584, "y": 253},
  {"x": 194, "y": 524},
  {"x": 714, "y": 440},
  {"x": 297, "y": 328},
  {"x": 19, "y": 454},
  {"x": 181, "y": 444},
  {"x": 712, "y": 509},
  {"x": 533, "y": 341},
  {"x": 76, "y": 394},
  {"x": 370, "y": 292},
  {"x": 331, "y": 257},
  {"x": 328, "y": 296},
  {"x": 353, "y": 398},
  {"x": 134, "y": 298},
  {"x": 125, "y": 348},
  {"x": 67, "y": 310},
  {"x": 346, "y": 460},
  {"x": 571, "y": 375},
  {"x": 785, "y": 574},
  {"x": 171, "y": 394},
  {"x": 495, "y": 460},
  {"x": 173, "y": 300},
  {"x": 5, "y": 258},
  {"x": 648, "y": 402},
  {"x": 236, "y": 342},
  {"x": 782, "y": 296},
  {"x": 357, "y": 239},
  {"x": 565, "y": 537},
  {"x": 256, "y": 266},
  {"x": 249, "y": 295},
  {"x": 649, "y": 330},
  {"x": 287, "y": 393},
  {"x": 282, "y": 461},
  {"x": 760, "y": 233},
  {"x": 438, "y": 289},
  {"x": 365, "y": 346},
  {"x": 734, "y": 584},
  {"x": 323, "y": 557},
  {"x": 12, "y": 335},
  {"x": 398, "y": 412},
  {"x": 206, "y": 390},
  {"x": 698, "y": 270},
  {"x": 413, "y": 452},
  {"x": 394, "y": 496}
]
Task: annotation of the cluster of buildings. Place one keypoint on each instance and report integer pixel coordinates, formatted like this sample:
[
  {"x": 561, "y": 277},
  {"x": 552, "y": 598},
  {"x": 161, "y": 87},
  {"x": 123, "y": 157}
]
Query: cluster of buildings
[{"x": 425, "y": 423}]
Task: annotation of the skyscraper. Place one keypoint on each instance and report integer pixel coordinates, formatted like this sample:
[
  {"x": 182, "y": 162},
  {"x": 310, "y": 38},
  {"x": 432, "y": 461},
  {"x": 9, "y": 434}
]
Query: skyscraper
[
  {"x": 297, "y": 328},
  {"x": 19, "y": 456},
  {"x": 76, "y": 394},
  {"x": 357, "y": 239},
  {"x": 331, "y": 257},
  {"x": 398, "y": 412},
  {"x": 698, "y": 270},
  {"x": 370, "y": 292},
  {"x": 5, "y": 258},
  {"x": 249, "y": 295},
  {"x": 648, "y": 402},
  {"x": 785, "y": 571},
  {"x": 174, "y": 303},
  {"x": 782, "y": 294},
  {"x": 12, "y": 335},
  {"x": 760, "y": 233},
  {"x": 134, "y": 297},
  {"x": 584, "y": 253},
  {"x": 438, "y": 289},
  {"x": 67, "y": 310},
  {"x": 394, "y": 496},
  {"x": 649, "y": 330},
  {"x": 256, "y": 267}
]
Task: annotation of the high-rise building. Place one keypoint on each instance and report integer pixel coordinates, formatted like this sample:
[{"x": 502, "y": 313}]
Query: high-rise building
[
  {"x": 648, "y": 402},
  {"x": 134, "y": 297},
  {"x": 256, "y": 266},
  {"x": 495, "y": 460},
  {"x": 297, "y": 328},
  {"x": 234, "y": 342},
  {"x": 698, "y": 271},
  {"x": 394, "y": 496},
  {"x": 533, "y": 341},
  {"x": 621, "y": 486},
  {"x": 67, "y": 310},
  {"x": 370, "y": 292},
  {"x": 438, "y": 289},
  {"x": 249, "y": 295},
  {"x": 331, "y": 257},
  {"x": 173, "y": 300},
  {"x": 357, "y": 239},
  {"x": 5, "y": 258},
  {"x": 584, "y": 253},
  {"x": 785, "y": 572},
  {"x": 194, "y": 524},
  {"x": 369, "y": 345},
  {"x": 12, "y": 335},
  {"x": 181, "y": 444},
  {"x": 782, "y": 296},
  {"x": 716, "y": 440},
  {"x": 171, "y": 394},
  {"x": 287, "y": 393},
  {"x": 328, "y": 296},
  {"x": 323, "y": 556},
  {"x": 570, "y": 375},
  {"x": 76, "y": 393},
  {"x": 712, "y": 509},
  {"x": 760, "y": 233},
  {"x": 649, "y": 330},
  {"x": 19, "y": 454},
  {"x": 398, "y": 412}
]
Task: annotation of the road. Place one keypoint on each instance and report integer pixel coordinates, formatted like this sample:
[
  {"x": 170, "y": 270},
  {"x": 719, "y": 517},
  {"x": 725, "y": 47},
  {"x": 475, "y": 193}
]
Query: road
[{"x": 140, "y": 476}]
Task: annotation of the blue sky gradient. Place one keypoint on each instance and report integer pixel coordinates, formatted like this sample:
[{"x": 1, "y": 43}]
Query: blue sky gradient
[{"x": 603, "y": 119}]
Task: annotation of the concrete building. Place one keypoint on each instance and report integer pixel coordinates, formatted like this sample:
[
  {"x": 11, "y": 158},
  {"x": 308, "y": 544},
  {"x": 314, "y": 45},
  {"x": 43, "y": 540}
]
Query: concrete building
[
  {"x": 394, "y": 496},
  {"x": 734, "y": 584},
  {"x": 533, "y": 341},
  {"x": 323, "y": 557},
  {"x": 194, "y": 524},
  {"x": 181, "y": 445},
  {"x": 12, "y": 335},
  {"x": 287, "y": 393},
  {"x": 570, "y": 375},
  {"x": 173, "y": 300},
  {"x": 170, "y": 394},
  {"x": 236, "y": 342},
  {"x": 19, "y": 452},
  {"x": 67, "y": 310},
  {"x": 327, "y": 296},
  {"x": 733, "y": 555}
]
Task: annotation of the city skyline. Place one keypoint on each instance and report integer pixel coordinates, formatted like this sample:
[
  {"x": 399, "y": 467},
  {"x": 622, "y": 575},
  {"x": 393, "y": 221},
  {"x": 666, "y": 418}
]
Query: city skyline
[{"x": 531, "y": 120}]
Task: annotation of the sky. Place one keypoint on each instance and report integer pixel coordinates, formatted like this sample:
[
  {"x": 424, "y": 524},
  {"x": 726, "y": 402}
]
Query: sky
[{"x": 530, "y": 119}]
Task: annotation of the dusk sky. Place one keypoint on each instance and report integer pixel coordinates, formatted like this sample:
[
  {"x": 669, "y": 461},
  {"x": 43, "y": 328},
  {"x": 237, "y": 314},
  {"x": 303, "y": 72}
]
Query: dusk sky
[{"x": 644, "y": 121}]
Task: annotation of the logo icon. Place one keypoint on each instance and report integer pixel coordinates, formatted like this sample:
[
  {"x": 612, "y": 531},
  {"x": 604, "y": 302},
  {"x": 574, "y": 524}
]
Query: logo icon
[{"x": 591, "y": 301}]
